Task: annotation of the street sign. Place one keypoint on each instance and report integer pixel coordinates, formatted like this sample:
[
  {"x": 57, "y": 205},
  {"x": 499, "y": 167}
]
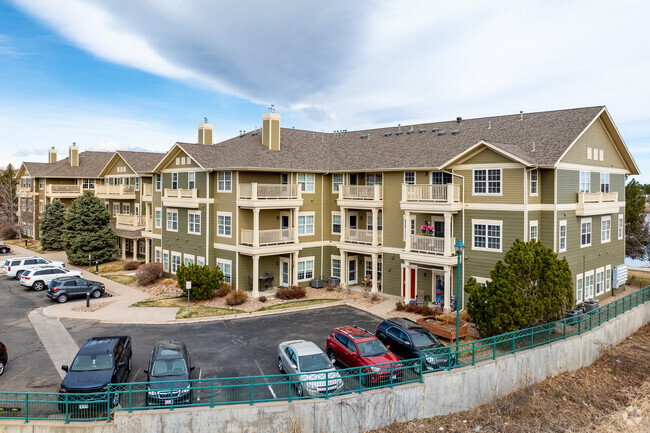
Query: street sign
[{"x": 188, "y": 285}]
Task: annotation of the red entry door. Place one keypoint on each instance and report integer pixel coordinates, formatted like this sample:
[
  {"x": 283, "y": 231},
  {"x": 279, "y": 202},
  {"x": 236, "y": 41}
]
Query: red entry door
[{"x": 412, "y": 283}]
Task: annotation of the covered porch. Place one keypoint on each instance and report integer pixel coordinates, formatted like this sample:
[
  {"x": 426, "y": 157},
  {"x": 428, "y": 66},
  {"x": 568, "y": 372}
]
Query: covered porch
[
  {"x": 419, "y": 282},
  {"x": 131, "y": 245},
  {"x": 263, "y": 271}
]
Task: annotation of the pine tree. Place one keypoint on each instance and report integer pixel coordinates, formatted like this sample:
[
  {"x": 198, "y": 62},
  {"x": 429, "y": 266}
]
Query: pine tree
[
  {"x": 530, "y": 286},
  {"x": 52, "y": 226},
  {"x": 86, "y": 231}
]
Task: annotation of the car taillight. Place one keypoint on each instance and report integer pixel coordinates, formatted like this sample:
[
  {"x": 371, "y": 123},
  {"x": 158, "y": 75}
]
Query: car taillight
[
  {"x": 56, "y": 289},
  {"x": 27, "y": 278},
  {"x": 9, "y": 269}
]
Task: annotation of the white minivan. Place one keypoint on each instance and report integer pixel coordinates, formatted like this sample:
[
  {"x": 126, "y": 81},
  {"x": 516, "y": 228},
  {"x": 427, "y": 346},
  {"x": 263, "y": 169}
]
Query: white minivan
[
  {"x": 39, "y": 277},
  {"x": 18, "y": 265}
]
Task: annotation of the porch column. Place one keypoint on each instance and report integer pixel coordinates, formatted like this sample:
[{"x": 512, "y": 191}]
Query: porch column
[
  {"x": 375, "y": 220},
  {"x": 447, "y": 234},
  {"x": 407, "y": 230},
  {"x": 294, "y": 269},
  {"x": 447, "y": 291},
  {"x": 344, "y": 269},
  {"x": 135, "y": 249},
  {"x": 256, "y": 276},
  {"x": 147, "y": 251},
  {"x": 256, "y": 227},
  {"x": 407, "y": 282},
  {"x": 123, "y": 248},
  {"x": 295, "y": 225},
  {"x": 344, "y": 223},
  {"x": 374, "y": 288}
]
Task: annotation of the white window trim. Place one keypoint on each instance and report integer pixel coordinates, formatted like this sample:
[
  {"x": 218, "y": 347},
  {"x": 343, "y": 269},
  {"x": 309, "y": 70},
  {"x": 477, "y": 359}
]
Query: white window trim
[
  {"x": 306, "y": 191},
  {"x": 599, "y": 271},
  {"x": 492, "y": 223},
  {"x": 167, "y": 220},
  {"x": 584, "y": 285},
  {"x": 580, "y": 181},
  {"x": 224, "y": 181},
  {"x": 609, "y": 181},
  {"x": 482, "y": 280},
  {"x": 334, "y": 190},
  {"x": 530, "y": 182},
  {"x": 171, "y": 180},
  {"x": 487, "y": 182},
  {"x": 225, "y": 262},
  {"x": 608, "y": 280},
  {"x": 621, "y": 224},
  {"x": 530, "y": 226},
  {"x": 603, "y": 219},
  {"x": 579, "y": 277},
  {"x": 166, "y": 268},
  {"x": 588, "y": 152},
  {"x": 591, "y": 233},
  {"x": 157, "y": 252},
  {"x": 155, "y": 222},
  {"x": 566, "y": 235},
  {"x": 313, "y": 214},
  {"x": 158, "y": 185},
  {"x": 414, "y": 178},
  {"x": 126, "y": 207},
  {"x": 188, "y": 257},
  {"x": 340, "y": 224},
  {"x": 199, "y": 260},
  {"x": 313, "y": 269},
  {"x": 171, "y": 260},
  {"x": 116, "y": 209},
  {"x": 332, "y": 258},
  {"x": 196, "y": 212},
  {"x": 224, "y": 214},
  {"x": 190, "y": 174},
  {"x": 602, "y": 154}
]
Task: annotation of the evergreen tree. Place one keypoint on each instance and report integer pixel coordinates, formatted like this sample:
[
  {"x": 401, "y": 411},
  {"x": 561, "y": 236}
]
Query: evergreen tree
[
  {"x": 86, "y": 231},
  {"x": 52, "y": 226},
  {"x": 204, "y": 280},
  {"x": 637, "y": 230},
  {"x": 531, "y": 285}
]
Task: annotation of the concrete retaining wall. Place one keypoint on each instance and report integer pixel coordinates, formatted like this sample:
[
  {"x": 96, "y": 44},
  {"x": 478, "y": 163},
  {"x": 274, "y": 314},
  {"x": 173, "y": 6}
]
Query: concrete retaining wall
[{"x": 441, "y": 393}]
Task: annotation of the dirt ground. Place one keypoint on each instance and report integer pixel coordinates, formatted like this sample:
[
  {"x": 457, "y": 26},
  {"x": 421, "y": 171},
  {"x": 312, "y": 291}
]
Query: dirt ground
[{"x": 611, "y": 395}]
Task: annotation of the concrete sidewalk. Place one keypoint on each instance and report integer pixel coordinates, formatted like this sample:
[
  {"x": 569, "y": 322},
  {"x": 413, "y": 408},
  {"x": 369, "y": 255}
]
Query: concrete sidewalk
[{"x": 58, "y": 343}]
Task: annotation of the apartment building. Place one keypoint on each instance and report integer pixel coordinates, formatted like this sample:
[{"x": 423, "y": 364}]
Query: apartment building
[{"x": 384, "y": 207}]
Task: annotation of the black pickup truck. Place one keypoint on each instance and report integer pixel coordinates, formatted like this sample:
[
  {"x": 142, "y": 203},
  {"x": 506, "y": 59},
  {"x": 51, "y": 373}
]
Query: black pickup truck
[{"x": 99, "y": 362}]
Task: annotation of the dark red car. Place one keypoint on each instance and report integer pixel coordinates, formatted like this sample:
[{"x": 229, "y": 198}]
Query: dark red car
[
  {"x": 4, "y": 248},
  {"x": 352, "y": 346}
]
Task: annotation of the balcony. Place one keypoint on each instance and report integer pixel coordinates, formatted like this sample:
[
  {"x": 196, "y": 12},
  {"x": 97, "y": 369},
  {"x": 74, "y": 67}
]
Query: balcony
[
  {"x": 597, "y": 203},
  {"x": 121, "y": 192},
  {"x": 25, "y": 192},
  {"x": 359, "y": 236},
  {"x": 146, "y": 192},
  {"x": 130, "y": 222},
  {"x": 360, "y": 196},
  {"x": 427, "y": 198},
  {"x": 63, "y": 191},
  {"x": 432, "y": 245},
  {"x": 270, "y": 196},
  {"x": 268, "y": 237},
  {"x": 181, "y": 197}
]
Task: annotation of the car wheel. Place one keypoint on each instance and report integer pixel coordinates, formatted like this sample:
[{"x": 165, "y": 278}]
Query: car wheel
[
  {"x": 332, "y": 356},
  {"x": 38, "y": 286},
  {"x": 300, "y": 391},
  {"x": 280, "y": 365},
  {"x": 19, "y": 274},
  {"x": 130, "y": 364},
  {"x": 96, "y": 293},
  {"x": 116, "y": 399},
  {"x": 2, "y": 367},
  {"x": 4, "y": 251},
  {"x": 62, "y": 298}
]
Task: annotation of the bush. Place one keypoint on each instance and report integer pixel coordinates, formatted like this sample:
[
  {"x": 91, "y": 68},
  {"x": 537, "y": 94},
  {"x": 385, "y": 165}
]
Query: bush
[
  {"x": 375, "y": 297},
  {"x": 224, "y": 289},
  {"x": 132, "y": 265},
  {"x": 236, "y": 297},
  {"x": 8, "y": 231},
  {"x": 51, "y": 227},
  {"x": 399, "y": 306},
  {"x": 169, "y": 282},
  {"x": 204, "y": 280},
  {"x": 330, "y": 287},
  {"x": 451, "y": 317},
  {"x": 262, "y": 298},
  {"x": 419, "y": 309},
  {"x": 293, "y": 292},
  {"x": 148, "y": 273}
]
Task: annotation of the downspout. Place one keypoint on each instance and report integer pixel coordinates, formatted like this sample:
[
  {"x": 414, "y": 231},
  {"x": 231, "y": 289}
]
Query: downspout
[
  {"x": 462, "y": 258},
  {"x": 526, "y": 194},
  {"x": 207, "y": 222},
  {"x": 322, "y": 222}
]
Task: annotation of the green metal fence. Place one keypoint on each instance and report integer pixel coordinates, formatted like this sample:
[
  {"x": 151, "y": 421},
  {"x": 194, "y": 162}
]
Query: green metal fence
[{"x": 282, "y": 387}]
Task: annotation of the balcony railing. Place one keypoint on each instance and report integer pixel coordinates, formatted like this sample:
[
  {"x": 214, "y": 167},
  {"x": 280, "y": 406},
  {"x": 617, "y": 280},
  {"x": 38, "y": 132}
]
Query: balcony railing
[
  {"x": 268, "y": 237},
  {"x": 148, "y": 224},
  {"x": 263, "y": 191},
  {"x": 181, "y": 193},
  {"x": 449, "y": 193},
  {"x": 131, "y": 220},
  {"x": 597, "y": 197},
  {"x": 64, "y": 189},
  {"x": 359, "y": 236},
  {"x": 114, "y": 190},
  {"x": 361, "y": 192},
  {"x": 597, "y": 203},
  {"x": 432, "y": 245}
]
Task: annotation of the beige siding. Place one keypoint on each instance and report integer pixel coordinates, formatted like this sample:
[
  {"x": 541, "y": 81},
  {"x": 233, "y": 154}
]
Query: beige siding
[
  {"x": 547, "y": 186},
  {"x": 487, "y": 156},
  {"x": 595, "y": 137},
  {"x": 393, "y": 216},
  {"x": 512, "y": 190}
]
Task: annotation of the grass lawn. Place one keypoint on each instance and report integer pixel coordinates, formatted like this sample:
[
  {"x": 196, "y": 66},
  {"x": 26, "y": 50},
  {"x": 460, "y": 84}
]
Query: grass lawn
[
  {"x": 122, "y": 279},
  {"x": 30, "y": 244},
  {"x": 112, "y": 266},
  {"x": 195, "y": 310},
  {"x": 297, "y": 304}
]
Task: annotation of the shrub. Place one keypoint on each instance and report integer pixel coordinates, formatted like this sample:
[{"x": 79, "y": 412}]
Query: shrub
[
  {"x": 330, "y": 287},
  {"x": 451, "y": 317},
  {"x": 375, "y": 297},
  {"x": 132, "y": 265},
  {"x": 223, "y": 290},
  {"x": 8, "y": 231},
  {"x": 148, "y": 273},
  {"x": 169, "y": 282},
  {"x": 418, "y": 309},
  {"x": 399, "y": 306},
  {"x": 236, "y": 297},
  {"x": 262, "y": 298},
  {"x": 204, "y": 280},
  {"x": 293, "y": 292}
]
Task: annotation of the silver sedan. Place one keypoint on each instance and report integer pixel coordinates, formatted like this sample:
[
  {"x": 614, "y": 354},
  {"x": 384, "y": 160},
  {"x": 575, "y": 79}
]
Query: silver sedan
[{"x": 311, "y": 370}]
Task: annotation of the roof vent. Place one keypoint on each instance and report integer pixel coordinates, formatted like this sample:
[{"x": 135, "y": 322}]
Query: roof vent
[
  {"x": 459, "y": 119},
  {"x": 242, "y": 133},
  {"x": 422, "y": 130},
  {"x": 254, "y": 133},
  {"x": 442, "y": 132},
  {"x": 455, "y": 132},
  {"x": 386, "y": 134},
  {"x": 410, "y": 131},
  {"x": 399, "y": 132},
  {"x": 489, "y": 124},
  {"x": 435, "y": 130},
  {"x": 364, "y": 137},
  {"x": 533, "y": 146},
  {"x": 521, "y": 115}
]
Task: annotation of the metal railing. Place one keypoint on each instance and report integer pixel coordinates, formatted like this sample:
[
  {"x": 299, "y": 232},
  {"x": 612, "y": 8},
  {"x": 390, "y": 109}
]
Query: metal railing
[
  {"x": 449, "y": 193},
  {"x": 263, "y": 191},
  {"x": 289, "y": 387},
  {"x": 268, "y": 237}
]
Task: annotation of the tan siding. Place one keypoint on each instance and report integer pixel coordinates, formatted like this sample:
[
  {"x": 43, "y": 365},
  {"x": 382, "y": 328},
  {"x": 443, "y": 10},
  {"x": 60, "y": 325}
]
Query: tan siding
[
  {"x": 568, "y": 184},
  {"x": 487, "y": 156},
  {"x": 226, "y": 202},
  {"x": 512, "y": 190},
  {"x": 596, "y": 137},
  {"x": 547, "y": 186},
  {"x": 178, "y": 153},
  {"x": 393, "y": 217}
]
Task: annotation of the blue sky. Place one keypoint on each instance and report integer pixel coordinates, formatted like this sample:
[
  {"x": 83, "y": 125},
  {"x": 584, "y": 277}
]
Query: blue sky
[{"x": 117, "y": 74}]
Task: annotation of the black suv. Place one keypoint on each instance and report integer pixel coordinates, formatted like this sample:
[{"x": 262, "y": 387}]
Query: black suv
[
  {"x": 169, "y": 374},
  {"x": 61, "y": 289},
  {"x": 408, "y": 340},
  {"x": 3, "y": 358}
]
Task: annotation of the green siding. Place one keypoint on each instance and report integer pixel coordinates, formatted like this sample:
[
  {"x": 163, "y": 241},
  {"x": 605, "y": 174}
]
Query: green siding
[{"x": 596, "y": 137}]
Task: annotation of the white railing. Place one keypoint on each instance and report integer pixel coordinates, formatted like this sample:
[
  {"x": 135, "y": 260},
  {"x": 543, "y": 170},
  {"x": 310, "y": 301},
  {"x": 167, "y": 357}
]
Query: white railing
[
  {"x": 361, "y": 192},
  {"x": 148, "y": 224},
  {"x": 449, "y": 193},
  {"x": 180, "y": 193},
  {"x": 268, "y": 237},
  {"x": 265, "y": 191},
  {"x": 147, "y": 189},
  {"x": 114, "y": 190},
  {"x": 597, "y": 197},
  {"x": 359, "y": 236},
  {"x": 130, "y": 220},
  {"x": 64, "y": 189}
]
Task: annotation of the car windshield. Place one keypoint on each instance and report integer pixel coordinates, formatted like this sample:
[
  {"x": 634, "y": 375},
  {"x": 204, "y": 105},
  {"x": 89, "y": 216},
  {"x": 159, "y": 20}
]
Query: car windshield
[
  {"x": 372, "y": 348},
  {"x": 315, "y": 362},
  {"x": 424, "y": 339},
  {"x": 92, "y": 362},
  {"x": 169, "y": 367}
]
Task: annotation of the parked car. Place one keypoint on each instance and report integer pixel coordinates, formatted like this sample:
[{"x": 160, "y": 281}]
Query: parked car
[
  {"x": 7, "y": 263},
  {"x": 4, "y": 248},
  {"x": 64, "y": 288},
  {"x": 352, "y": 346},
  {"x": 409, "y": 341},
  {"x": 4, "y": 357},
  {"x": 40, "y": 277},
  {"x": 18, "y": 265},
  {"x": 99, "y": 362},
  {"x": 168, "y": 374},
  {"x": 315, "y": 374}
]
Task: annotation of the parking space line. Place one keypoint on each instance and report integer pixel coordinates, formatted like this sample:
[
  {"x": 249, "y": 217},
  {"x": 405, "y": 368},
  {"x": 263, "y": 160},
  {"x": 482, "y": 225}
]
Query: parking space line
[{"x": 262, "y": 374}]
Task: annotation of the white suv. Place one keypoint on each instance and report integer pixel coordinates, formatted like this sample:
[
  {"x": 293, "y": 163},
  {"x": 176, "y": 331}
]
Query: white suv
[
  {"x": 39, "y": 277},
  {"x": 16, "y": 266}
]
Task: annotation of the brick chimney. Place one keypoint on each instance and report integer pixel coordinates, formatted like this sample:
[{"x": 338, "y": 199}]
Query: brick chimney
[
  {"x": 73, "y": 154},
  {"x": 271, "y": 129},
  {"x": 51, "y": 155},
  {"x": 205, "y": 132}
]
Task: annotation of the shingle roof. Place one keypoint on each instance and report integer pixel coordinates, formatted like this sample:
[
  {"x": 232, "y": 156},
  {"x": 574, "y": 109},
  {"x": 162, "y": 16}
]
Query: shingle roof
[
  {"x": 141, "y": 162},
  {"x": 552, "y": 132},
  {"x": 90, "y": 165},
  {"x": 36, "y": 169}
]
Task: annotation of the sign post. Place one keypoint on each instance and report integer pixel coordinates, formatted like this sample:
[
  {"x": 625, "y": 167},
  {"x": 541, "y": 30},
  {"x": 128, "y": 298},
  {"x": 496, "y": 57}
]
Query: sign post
[{"x": 188, "y": 286}]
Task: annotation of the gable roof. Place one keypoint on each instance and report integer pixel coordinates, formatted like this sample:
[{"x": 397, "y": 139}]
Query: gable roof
[
  {"x": 90, "y": 165},
  {"x": 139, "y": 162}
]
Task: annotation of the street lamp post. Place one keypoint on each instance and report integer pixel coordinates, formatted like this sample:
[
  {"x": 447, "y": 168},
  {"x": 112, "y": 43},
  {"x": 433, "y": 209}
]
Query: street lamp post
[{"x": 459, "y": 247}]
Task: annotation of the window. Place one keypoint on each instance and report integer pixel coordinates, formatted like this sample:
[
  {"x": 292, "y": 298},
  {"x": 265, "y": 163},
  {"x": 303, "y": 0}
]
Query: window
[
  {"x": 116, "y": 209},
  {"x": 608, "y": 278},
  {"x": 534, "y": 231},
  {"x": 605, "y": 229},
  {"x": 602, "y": 155},
  {"x": 88, "y": 184},
  {"x": 126, "y": 209},
  {"x": 136, "y": 209},
  {"x": 336, "y": 223},
  {"x": 585, "y": 232},
  {"x": 166, "y": 261},
  {"x": 137, "y": 184},
  {"x": 562, "y": 236},
  {"x": 373, "y": 179},
  {"x": 41, "y": 183},
  {"x": 533, "y": 182},
  {"x": 337, "y": 180},
  {"x": 191, "y": 180},
  {"x": 487, "y": 181},
  {"x": 306, "y": 181},
  {"x": 368, "y": 268},
  {"x": 305, "y": 269},
  {"x": 41, "y": 206},
  {"x": 174, "y": 180},
  {"x": 158, "y": 182},
  {"x": 600, "y": 281},
  {"x": 176, "y": 262},
  {"x": 440, "y": 178},
  {"x": 224, "y": 181},
  {"x": 305, "y": 224},
  {"x": 585, "y": 181},
  {"x": 172, "y": 220},
  {"x": 487, "y": 235},
  {"x": 589, "y": 285},
  {"x": 336, "y": 267},
  {"x": 579, "y": 288},
  {"x": 158, "y": 217},
  {"x": 188, "y": 259},
  {"x": 200, "y": 261},
  {"x": 589, "y": 153},
  {"x": 409, "y": 177},
  {"x": 284, "y": 179},
  {"x": 224, "y": 224},
  {"x": 369, "y": 222},
  {"x": 604, "y": 182},
  {"x": 226, "y": 268},
  {"x": 142, "y": 246},
  {"x": 620, "y": 227},
  {"x": 157, "y": 255},
  {"x": 194, "y": 222}
]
